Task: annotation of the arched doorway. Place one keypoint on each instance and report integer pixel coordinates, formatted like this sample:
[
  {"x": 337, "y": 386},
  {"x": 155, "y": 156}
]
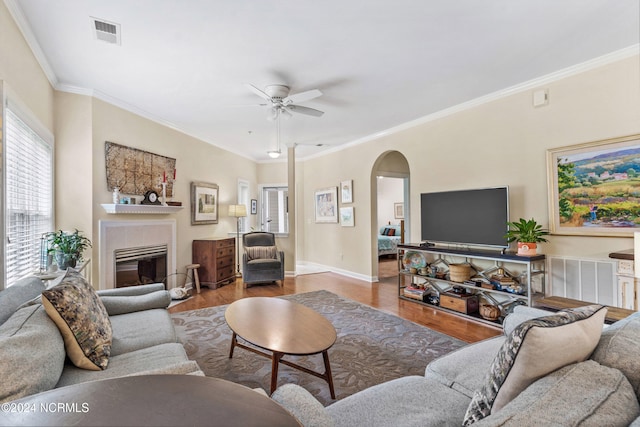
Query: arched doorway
[{"x": 390, "y": 204}]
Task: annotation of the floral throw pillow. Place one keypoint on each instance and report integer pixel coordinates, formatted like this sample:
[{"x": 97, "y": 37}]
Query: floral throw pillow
[
  {"x": 82, "y": 320},
  {"x": 531, "y": 351}
]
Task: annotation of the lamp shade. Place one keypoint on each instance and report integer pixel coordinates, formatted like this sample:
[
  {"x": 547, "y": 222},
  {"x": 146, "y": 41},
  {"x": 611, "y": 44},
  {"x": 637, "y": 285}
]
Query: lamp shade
[{"x": 237, "y": 211}]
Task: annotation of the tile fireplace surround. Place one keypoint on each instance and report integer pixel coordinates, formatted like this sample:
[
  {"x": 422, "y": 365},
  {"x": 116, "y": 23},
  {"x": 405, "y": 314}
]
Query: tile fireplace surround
[{"x": 131, "y": 234}]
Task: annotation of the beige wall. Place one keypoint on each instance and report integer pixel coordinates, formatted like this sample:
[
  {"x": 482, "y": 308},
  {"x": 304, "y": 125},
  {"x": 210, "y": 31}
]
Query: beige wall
[
  {"x": 74, "y": 169},
  {"x": 20, "y": 70},
  {"x": 503, "y": 142},
  {"x": 195, "y": 161}
]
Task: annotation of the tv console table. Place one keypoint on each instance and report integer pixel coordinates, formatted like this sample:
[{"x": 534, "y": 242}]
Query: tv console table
[{"x": 484, "y": 265}]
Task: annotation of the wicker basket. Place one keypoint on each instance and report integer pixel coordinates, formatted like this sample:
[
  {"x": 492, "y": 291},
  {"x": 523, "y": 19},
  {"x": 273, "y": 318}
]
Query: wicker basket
[
  {"x": 459, "y": 272},
  {"x": 489, "y": 312}
]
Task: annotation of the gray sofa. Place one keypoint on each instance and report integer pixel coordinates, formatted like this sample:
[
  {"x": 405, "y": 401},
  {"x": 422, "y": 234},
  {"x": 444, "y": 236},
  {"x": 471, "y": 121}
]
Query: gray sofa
[
  {"x": 32, "y": 351},
  {"x": 601, "y": 391}
]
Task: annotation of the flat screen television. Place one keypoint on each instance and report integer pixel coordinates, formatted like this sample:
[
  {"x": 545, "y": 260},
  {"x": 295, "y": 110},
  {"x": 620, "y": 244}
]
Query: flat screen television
[{"x": 466, "y": 217}]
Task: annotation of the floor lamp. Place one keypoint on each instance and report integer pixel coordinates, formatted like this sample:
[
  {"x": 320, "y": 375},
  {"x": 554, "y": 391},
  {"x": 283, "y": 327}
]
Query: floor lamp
[{"x": 238, "y": 211}]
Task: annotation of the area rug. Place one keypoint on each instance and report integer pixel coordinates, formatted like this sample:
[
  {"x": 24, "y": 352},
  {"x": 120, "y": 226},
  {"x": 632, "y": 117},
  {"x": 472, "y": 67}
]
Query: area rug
[{"x": 372, "y": 347}]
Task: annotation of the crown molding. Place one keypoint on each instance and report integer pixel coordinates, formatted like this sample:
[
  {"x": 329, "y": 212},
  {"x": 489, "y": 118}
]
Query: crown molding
[{"x": 600, "y": 61}]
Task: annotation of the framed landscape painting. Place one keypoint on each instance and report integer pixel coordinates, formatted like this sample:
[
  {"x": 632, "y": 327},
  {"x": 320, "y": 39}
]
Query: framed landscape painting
[
  {"x": 326, "y": 204},
  {"x": 594, "y": 188},
  {"x": 204, "y": 203}
]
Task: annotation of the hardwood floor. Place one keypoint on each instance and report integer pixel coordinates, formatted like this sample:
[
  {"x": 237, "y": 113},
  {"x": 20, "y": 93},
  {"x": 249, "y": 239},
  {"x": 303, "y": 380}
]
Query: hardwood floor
[{"x": 382, "y": 295}]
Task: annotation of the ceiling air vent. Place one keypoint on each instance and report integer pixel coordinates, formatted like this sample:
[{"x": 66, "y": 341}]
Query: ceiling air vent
[{"x": 106, "y": 31}]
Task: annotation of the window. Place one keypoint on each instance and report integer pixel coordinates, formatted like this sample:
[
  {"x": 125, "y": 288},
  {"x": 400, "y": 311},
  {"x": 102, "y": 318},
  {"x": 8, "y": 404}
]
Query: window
[
  {"x": 275, "y": 209},
  {"x": 243, "y": 199},
  {"x": 28, "y": 194}
]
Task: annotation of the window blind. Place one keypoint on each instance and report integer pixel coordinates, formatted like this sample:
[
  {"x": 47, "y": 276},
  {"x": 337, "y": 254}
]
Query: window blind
[{"x": 28, "y": 195}]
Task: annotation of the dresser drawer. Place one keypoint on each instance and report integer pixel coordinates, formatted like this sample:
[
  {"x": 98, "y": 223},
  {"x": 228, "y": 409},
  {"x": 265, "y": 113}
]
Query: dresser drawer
[
  {"x": 224, "y": 273},
  {"x": 224, "y": 261},
  {"x": 226, "y": 251},
  {"x": 225, "y": 243}
]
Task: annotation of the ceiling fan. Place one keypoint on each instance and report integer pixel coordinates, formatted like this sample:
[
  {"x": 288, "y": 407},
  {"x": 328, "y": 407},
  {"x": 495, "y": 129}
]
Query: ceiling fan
[{"x": 281, "y": 103}]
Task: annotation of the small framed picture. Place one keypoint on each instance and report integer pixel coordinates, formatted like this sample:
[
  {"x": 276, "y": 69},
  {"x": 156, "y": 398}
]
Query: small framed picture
[
  {"x": 346, "y": 217},
  {"x": 254, "y": 207},
  {"x": 204, "y": 203},
  {"x": 346, "y": 191},
  {"x": 326, "y": 204},
  {"x": 398, "y": 210}
]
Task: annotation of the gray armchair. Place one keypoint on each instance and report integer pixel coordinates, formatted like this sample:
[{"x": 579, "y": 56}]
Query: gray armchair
[{"x": 262, "y": 262}]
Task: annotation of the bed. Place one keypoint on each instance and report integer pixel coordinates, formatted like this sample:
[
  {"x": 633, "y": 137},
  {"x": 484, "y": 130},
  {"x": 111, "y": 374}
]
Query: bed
[{"x": 388, "y": 238}]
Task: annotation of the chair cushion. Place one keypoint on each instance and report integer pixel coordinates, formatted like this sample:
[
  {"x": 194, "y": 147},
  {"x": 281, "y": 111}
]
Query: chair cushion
[
  {"x": 128, "y": 336},
  {"x": 31, "y": 354},
  {"x": 82, "y": 320},
  {"x": 447, "y": 369},
  {"x": 619, "y": 348},
  {"x": 261, "y": 252},
  {"x": 534, "y": 349},
  {"x": 169, "y": 358},
  {"x": 264, "y": 264}
]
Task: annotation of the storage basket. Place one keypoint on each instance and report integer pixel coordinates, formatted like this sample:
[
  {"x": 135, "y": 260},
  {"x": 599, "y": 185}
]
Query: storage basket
[
  {"x": 459, "y": 272},
  {"x": 489, "y": 312}
]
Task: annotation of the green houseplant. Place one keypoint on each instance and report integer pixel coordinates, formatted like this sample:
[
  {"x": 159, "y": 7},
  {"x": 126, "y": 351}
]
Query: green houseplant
[
  {"x": 67, "y": 247},
  {"x": 528, "y": 233}
]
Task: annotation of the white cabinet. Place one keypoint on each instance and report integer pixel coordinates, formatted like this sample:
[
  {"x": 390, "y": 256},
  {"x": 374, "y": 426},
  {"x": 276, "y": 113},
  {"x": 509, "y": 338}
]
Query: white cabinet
[{"x": 627, "y": 285}]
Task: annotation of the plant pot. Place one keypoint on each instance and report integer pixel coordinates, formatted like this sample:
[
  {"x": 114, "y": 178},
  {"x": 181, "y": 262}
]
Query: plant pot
[
  {"x": 64, "y": 261},
  {"x": 527, "y": 249}
]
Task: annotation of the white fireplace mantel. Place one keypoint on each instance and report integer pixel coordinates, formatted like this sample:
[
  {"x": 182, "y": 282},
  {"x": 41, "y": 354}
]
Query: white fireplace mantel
[{"x": 111, "y": 208}]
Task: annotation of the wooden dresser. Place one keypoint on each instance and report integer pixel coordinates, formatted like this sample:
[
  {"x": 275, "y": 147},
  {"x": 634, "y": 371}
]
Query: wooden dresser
[{"x": 216, "y": 257}]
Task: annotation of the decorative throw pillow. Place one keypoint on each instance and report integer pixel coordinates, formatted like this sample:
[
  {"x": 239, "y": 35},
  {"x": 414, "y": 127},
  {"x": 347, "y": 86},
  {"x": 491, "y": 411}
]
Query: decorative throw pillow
[
  {"x": 82, "y": 319},
  {"x": 261, "y": 252},
  {"x": 392, "y": 232},
  {"x": 534, "y": 349}
]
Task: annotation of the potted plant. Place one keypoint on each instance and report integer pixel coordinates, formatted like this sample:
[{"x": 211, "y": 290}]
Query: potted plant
[
  {"x": 67, "y": 248},
  {"x": 527, "y": 233}
]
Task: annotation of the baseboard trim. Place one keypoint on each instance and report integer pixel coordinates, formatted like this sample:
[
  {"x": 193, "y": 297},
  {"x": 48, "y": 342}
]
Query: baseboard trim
[{"x": 340, "y": 271}]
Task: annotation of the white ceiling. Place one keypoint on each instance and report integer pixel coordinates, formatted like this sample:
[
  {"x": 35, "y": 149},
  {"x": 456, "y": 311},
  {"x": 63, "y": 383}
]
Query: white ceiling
[{"x": 379, "y": 63}]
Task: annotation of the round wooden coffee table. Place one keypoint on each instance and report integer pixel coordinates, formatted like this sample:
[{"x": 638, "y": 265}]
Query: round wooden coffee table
[
  {"x": 148, "y": 400},
  {"x": 283, "y": 328}
]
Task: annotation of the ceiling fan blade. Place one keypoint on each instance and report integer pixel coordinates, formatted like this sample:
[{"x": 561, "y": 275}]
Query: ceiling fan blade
[
  {"x": 305, "y": 110},
  {"x": 258, "y": 92},
  {"x": 302, "y": 96}
]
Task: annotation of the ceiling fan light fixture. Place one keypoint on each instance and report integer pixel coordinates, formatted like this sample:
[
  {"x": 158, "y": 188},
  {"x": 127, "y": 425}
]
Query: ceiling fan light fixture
[{"x": 274, "y": 154}]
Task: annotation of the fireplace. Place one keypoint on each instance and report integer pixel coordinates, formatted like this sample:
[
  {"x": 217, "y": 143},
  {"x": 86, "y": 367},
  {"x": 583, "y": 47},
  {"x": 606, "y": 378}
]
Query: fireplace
[
  {"x": 140, "y": 266},
  {"x": 141, "y": 249}
]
